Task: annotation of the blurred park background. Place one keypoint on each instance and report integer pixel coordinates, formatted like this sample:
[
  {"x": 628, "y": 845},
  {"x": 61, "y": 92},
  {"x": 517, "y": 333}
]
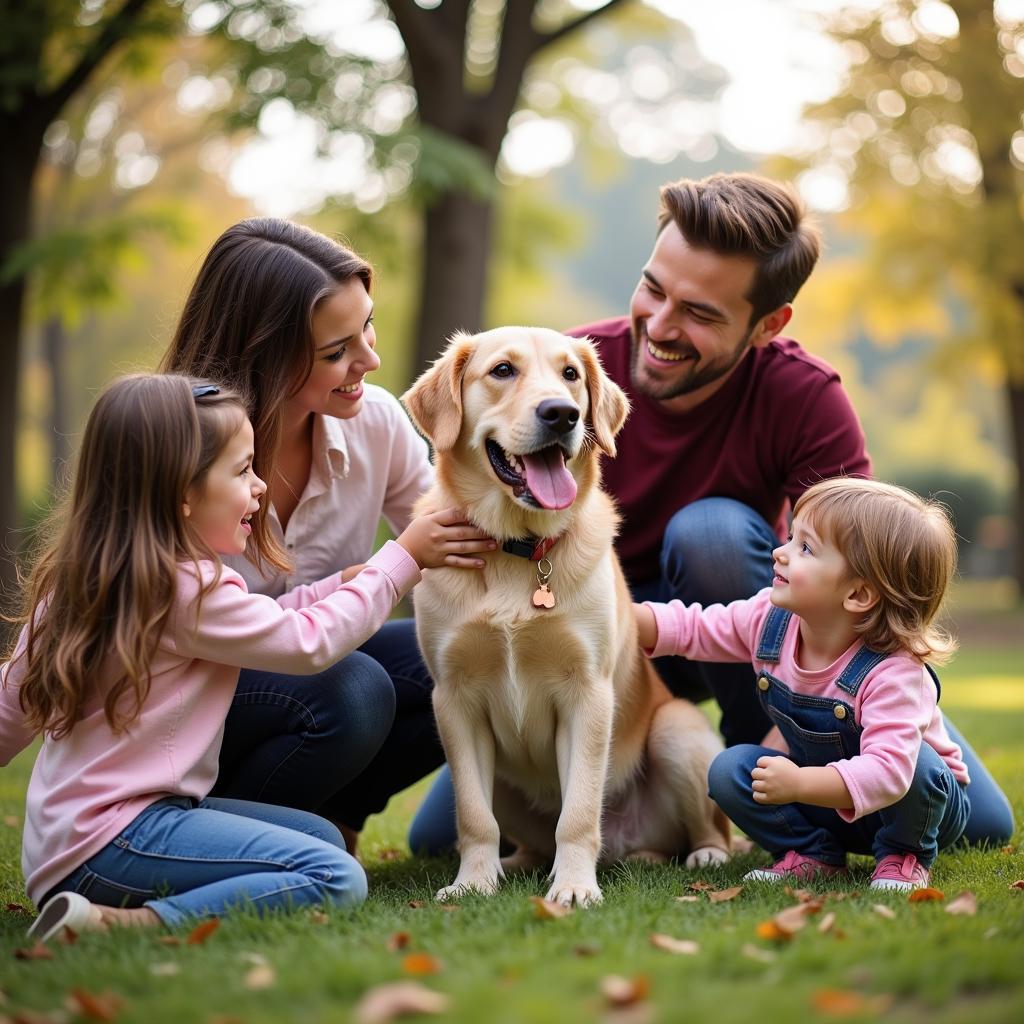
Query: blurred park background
[{"x": 498, "y": 161}]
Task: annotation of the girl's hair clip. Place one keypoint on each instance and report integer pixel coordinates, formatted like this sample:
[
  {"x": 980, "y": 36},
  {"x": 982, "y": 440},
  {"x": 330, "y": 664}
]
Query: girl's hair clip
[{"x": 202, "y": 390}]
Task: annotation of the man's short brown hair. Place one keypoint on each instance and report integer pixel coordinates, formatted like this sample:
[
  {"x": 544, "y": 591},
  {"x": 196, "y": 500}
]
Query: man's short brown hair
[{"x": 747, "y": 215}]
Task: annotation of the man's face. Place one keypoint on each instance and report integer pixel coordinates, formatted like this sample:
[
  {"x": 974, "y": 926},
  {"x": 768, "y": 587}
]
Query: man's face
[{"x": 690, "y": 320}]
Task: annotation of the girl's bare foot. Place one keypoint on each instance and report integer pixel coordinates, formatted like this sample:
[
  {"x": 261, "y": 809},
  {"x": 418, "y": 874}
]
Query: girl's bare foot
[{"x": 125, "y": 917}]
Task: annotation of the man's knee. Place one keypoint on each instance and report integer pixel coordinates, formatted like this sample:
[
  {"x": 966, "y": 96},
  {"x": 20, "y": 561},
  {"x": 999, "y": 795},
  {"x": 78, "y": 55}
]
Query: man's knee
[{"x": 356, "y": 698}]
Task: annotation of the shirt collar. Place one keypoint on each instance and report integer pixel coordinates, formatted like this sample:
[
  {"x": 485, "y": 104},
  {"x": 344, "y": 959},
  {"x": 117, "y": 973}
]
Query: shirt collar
[{"x": 330, "y": 447}]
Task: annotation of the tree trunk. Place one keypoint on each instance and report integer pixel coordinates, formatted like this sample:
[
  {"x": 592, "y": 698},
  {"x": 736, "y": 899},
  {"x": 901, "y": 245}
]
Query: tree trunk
[
  {"x": 1015, "y": 394},
  {"x": 55, "y": 344},
  {"x": 23, "y": 143},
  {"x": 456, "y": 257}
]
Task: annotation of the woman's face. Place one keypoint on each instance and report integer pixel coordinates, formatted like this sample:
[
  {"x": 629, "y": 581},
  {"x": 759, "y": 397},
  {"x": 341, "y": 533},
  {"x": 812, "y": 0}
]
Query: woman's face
[{"x": 343, "y": 342}]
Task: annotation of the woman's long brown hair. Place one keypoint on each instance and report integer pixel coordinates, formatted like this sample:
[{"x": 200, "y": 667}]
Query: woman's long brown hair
[
  {"x": 248, "y": 322},
  {"x": 98, "y": 598}
]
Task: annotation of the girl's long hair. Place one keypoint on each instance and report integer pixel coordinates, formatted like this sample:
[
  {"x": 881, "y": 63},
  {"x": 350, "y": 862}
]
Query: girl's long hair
[
  {"x": 248, "y": 322},
  {"x": 99, "y": 596}
]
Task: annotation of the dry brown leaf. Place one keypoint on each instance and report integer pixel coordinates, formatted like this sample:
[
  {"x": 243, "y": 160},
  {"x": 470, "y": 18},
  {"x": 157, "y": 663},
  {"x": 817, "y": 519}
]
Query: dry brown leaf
[
  {"x": 826, "y": 922},
  {"x": 687, "y": 899},
  {"x": 18, "y": 908},
  {"x": 883, "y": 911},
  {"x": 966, "y": 903},
  {"x": 586, "y": 949},
  {"x": 725, "y": 894},
  {"x": 792, "y": 919},
  {"x": 759, "y": 953},
  {"x": 619, "y": 991},
  {"x": 96, "y": 1006},
  {"x": 700, "y": 886},
  {"x": 421, "y": 964},
  {"x": 40, "y": 951},
  {"x": 390, "y": 854},
  {"x": 165, "y": 969},
  {"x": 397, "y": 941},
  {"x": 1019, "y": 884},
  {"x": 37, "y": 1017},
  {"x": 800, "y": 895},
  {"x": 839, "y": 1002},
  {"x": 547, "y": 910},
  {"x": 686, "y": 947},
  {"x": 398, "y": 999},
  {"x": 260, "y": 977},
  {"x": 1009, "y": 849},
  {"x": 319, "y": 917},
  {"x": 202, "y": 932},
  {"x": 926, "y": 895},
  {"x": 417, "y": 904}
]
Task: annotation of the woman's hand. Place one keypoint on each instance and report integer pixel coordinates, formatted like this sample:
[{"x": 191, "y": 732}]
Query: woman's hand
[{"x": 438, "y": 539}]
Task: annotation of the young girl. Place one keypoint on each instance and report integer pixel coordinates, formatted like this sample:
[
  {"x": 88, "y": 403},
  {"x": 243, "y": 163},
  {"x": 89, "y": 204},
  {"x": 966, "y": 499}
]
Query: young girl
[
  {"x": 285, "y": 315},
  {"x": 129, "y": 659},
  {"x": 840, "y": 643}
]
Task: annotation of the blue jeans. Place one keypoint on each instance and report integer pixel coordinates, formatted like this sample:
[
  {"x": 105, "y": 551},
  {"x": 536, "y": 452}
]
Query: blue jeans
[
  {"x": 929, "y": 818},
  {"x": 715, "y": 551},
  {"x": 185, "y": 859},
  {"x": 340, "y": 743}
]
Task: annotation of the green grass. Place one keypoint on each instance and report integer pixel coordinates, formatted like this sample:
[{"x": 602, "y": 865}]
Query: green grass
[{"x": 500, "y": 963}]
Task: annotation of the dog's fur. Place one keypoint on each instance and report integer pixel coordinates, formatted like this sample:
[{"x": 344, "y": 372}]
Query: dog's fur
[{"x": 558, "y": 732}]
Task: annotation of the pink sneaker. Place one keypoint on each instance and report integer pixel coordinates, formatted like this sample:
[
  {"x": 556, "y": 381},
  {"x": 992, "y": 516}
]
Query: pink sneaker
[
  {"x": 899, "y": 871},
  {"x": 795, "y": 865}
]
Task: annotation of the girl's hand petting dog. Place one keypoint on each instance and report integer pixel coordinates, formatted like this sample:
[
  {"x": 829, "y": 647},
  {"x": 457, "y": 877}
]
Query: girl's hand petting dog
[{"x": 445, "y": 538}]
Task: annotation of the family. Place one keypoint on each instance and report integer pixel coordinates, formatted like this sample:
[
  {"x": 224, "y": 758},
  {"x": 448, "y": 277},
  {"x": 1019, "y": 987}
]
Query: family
[{"x": 207, "y": 648}]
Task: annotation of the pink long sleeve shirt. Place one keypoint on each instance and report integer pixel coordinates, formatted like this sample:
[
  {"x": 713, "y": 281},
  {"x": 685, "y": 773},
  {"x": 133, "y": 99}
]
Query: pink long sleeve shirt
[
  {"x": 896, "y": 705},
  {"x": 90, "y": 785}
]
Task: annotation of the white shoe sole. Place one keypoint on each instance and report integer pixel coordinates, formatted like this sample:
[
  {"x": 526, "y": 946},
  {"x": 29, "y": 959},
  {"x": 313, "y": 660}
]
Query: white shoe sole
[{"x": 65, "y": 910}]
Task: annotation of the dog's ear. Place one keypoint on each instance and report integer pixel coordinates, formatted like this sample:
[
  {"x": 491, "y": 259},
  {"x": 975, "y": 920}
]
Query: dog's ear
[
  {"x": 609, "y": 406},
  {"x": 435, "y": 399}
]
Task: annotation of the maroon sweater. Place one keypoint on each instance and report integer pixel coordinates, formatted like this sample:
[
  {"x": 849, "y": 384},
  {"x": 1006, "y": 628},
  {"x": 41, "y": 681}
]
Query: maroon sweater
[{"x": 780, "y": 423}]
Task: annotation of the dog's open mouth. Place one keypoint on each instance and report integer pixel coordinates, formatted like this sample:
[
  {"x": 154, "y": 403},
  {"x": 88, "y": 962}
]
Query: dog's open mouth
[{"x": 540, "y": 478}]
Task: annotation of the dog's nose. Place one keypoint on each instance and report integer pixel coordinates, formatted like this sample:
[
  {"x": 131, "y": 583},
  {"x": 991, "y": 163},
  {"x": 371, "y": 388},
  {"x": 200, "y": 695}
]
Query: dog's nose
[{"x": 560, "y": 416}]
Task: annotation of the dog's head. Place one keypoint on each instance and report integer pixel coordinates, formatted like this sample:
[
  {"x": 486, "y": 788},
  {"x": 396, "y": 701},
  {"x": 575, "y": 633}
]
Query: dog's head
[{"x": 523, "y": 412}]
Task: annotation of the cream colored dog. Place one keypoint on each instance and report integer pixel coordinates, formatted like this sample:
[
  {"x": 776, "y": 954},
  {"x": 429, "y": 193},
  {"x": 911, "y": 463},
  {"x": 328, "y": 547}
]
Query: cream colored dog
[{"x": 558, "y": 732}]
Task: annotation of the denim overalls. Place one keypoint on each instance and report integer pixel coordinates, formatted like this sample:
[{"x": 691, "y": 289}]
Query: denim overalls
[{"x": 818, "y": 731}]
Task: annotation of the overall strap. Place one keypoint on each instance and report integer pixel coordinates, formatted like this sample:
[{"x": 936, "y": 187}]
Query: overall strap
[
  {"x": 859, "y": 666},
  {"x": 935, "y": 680},
  {"x": 769, "y": 644}
]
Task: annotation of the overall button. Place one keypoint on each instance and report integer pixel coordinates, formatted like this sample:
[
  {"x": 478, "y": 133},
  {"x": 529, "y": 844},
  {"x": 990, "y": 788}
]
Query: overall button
[
  {"x": 762, "y": 683},
  {"x": 839, "y": 711}
]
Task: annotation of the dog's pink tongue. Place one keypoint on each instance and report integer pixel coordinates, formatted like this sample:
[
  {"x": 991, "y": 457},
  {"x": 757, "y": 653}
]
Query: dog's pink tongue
[{"x": 548, "y": 479}]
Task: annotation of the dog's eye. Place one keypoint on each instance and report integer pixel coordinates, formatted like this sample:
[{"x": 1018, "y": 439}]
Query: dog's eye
[
  {"x": 571, "y": 373},
  {"x": 503, "y": 370}
]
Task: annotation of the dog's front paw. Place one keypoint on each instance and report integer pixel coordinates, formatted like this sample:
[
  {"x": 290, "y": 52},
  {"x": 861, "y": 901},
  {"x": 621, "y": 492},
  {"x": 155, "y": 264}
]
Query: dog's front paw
[
  {"x": 707, "y": 857},
  {"x": 461, "y": 886},
  {"x": 566, "y": 893}
]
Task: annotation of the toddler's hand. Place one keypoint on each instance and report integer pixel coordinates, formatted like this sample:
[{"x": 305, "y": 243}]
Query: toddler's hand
[
  {"x": 646, "y": 626},
  {"x": 775, "y": 780},
  {"x": 444, "y": 538}
]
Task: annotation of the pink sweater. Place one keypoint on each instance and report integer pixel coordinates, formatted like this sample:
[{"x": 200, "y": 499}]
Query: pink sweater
[
  {"x": 90, "y": 785},
  {"x": 895, "y": 706}
]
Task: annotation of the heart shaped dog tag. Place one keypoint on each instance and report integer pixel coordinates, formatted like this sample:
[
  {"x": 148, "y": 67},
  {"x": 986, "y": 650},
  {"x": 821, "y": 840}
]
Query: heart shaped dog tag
[{"x": 543, "y": 598}]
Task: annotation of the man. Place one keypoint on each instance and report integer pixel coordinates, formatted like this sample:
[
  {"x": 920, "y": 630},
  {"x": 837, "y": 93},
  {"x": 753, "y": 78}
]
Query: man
[{"x": 730, "y": 423}]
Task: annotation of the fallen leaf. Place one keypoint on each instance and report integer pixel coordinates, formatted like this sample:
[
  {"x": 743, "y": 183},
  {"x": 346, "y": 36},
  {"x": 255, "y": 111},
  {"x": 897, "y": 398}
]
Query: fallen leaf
[
  {"x": 725, "y": 894},
  {"x": 319, "y": 917},
  {"x": 687, "y": 947},
  {"x": 1018, "y": 884},
  {"x": 169, "y": 940},
  {"x": 770, "y": 930},
  {"x": 825, "y": 924},
  {"x": 37, "y": 1017},
  {"x": 397, "y": 941},
  {"x": 1009, "y": 849},
  {"x": 421, "y": 963},
  {"x": 839, "y": 1002},
  {"x": 966, "y": 903},
  {"x": 759, "y": 953},
  {"x": 800, "y": 895},
  {"x": 619, "y": 991},
  {"x": 700, "y": 886},
  {"x": 547, "y": 910},
  {"x": 260, "y": 977},
  {"x": 165, "y": 969},
  {"x": 40, "y": 951},
  {"x": 687, "y": 899},
  {"x": 398, "y": 999},
  {"x": 586, "y": 949},
  {"x": 390, "y": 854},
  {"x": 202, "y": 932},
  {"x": 883, "y": 911},
  {"x": 96, "y": 1006},
  {"x": 792, "y": 919},
  {"x": 417, "y": 904},
  {"x": 18, "y": 908},
  {"x": 926, "y": 896}
]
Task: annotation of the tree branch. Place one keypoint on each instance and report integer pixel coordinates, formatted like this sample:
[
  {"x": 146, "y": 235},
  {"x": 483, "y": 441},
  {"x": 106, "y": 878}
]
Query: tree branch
[
  {"x": 113, "y": 31},
  {"x": 547, "y": 38}
]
